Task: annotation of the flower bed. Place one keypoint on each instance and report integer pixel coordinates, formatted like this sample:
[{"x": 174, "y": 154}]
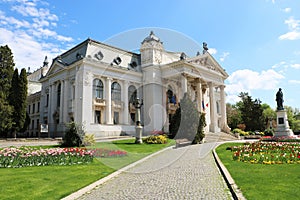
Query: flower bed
[
  {"x": 267, "y": 152},
  {"x": 107, "y": 153},
  {"x": 26, "y": 156},
  {"x": 280, "y": 139}
]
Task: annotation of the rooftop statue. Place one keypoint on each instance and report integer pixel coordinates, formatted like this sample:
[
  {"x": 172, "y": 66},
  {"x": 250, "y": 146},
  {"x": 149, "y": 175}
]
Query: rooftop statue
[{"x": 205, "y": 48}]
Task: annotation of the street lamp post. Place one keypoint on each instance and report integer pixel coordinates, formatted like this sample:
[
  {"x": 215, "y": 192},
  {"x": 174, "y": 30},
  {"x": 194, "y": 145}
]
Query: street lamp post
[{"x": 138, "y": 127}]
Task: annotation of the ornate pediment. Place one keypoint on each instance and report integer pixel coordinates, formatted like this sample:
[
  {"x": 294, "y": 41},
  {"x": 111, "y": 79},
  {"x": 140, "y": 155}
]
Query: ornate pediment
[{"x": 208, "y": 62}]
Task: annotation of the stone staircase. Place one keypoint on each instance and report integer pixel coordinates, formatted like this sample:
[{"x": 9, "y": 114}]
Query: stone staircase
[{"x": 219, "y": 137}]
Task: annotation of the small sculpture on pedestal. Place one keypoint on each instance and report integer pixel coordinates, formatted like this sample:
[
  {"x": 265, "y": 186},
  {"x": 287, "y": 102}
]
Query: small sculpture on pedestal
[
  {"x": 283, "y": 128},
  {"x": 138, "y": 128},
  {"x": 279, "y": 100}
]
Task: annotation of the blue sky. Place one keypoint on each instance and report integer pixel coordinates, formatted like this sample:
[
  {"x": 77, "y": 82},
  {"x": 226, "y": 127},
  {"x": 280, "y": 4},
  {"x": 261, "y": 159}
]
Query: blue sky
[{"x": 256, "y": 41}]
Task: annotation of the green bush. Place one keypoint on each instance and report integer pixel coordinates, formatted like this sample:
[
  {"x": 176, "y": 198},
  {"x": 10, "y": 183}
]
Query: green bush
[
  {"x": 200, "y": 131},
  {"x": 74, "y": 136},
  {"x": 269, "y": 132}
]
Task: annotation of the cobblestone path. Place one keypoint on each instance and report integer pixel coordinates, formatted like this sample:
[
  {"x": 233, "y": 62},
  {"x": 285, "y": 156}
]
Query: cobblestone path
[{"x": 183, "y": 173}]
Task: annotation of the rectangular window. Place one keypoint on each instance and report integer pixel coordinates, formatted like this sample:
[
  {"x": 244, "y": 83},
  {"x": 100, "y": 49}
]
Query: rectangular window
[
  {"x": 28, "y": 109},
  {"x": 38, "y": 107},
  {"x": 97, "y": 117},
  {"x": 45, "y": 120},
  {"x": 32, "y": 124},
  {"x": 37, "y": 123},
  {"x": 116, "y": 117},
  {"x": 47, "y": 100},
  {"x": 33, "y": 108}
]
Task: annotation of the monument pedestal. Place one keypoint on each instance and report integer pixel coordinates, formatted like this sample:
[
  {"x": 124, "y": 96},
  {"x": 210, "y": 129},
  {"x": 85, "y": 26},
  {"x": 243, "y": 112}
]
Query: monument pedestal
[
  {"x": 283, "y": 128},
  {"x": 138, "y": 134}
]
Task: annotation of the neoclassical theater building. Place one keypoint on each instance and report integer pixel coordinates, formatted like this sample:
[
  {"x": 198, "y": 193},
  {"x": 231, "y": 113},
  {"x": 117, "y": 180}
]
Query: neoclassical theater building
[{"x": 95, "y": 84}]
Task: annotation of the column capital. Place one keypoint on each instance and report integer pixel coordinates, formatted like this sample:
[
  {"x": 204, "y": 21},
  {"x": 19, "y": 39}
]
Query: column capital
[{"x": 222, "y": 86}]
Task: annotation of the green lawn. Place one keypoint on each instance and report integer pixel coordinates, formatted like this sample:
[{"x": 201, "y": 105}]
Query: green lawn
[
  {"x": 259, "y": 181},
  {"x": 135, "y": 151},
  {"x": 55, "y": 182}
]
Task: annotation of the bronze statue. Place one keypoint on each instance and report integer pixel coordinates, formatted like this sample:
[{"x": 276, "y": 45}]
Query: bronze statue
[{"x": 279, "y": 99}]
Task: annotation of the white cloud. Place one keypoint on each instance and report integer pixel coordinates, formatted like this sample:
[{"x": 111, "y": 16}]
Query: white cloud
[
  {"x": 292, "y": 23},
  {"x": 279, "y": 65},
  {"x": 224, "y": 55},
  {"x": 295, "y": 66},
  {"x": 294, "y": 81},
  {"x": 32, "y": 36},
  {"x": 294, "y": 33},
  {"x": 284, "y": 65},
  {"x": 212, "y": 51},
  {"x": 247, "y": 80},
  {"x": 27, "y": 52},
  {"x": 286, "y": 10}
]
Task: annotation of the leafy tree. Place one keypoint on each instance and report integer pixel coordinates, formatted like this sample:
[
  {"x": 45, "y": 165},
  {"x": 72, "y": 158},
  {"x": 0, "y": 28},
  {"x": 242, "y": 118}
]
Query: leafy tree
[
  {"x": 233, "y": 116},
  {"x": 268, "y": 114},
  {"x": 293, "y": 121},
  {"x": 251, "y": 112}
]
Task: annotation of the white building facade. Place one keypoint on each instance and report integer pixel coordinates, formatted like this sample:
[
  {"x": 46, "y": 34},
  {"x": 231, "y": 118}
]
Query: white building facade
[{"x": 95, "y": 85}]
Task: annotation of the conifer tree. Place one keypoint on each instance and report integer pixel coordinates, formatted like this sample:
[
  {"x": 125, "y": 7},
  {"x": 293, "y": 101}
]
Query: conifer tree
[
  {"x": 6, "y": 72},
  {"x": 189, "y": 119},
  {"x": 175, "y": 123},
  {"x": 18, "y": 98}
]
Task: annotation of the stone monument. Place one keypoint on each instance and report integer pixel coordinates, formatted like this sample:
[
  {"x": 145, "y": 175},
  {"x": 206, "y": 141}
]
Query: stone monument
[
  {"x": 283, "y": 128},
  {"x": 138, "y": 126}
]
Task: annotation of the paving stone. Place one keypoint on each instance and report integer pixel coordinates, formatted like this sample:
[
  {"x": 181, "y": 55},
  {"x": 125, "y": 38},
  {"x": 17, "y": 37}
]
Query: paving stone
[{"x": 183, "y": 173}]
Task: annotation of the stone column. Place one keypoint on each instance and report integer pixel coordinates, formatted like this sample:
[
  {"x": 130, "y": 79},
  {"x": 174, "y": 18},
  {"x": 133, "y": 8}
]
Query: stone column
[
  {"x": 212, "y": 126},
  {"x": 223, "y": 107},
  {"x": 52, "y": 108},
  {"x": 199, "y": 95},
  {"x": 65, "y": 101},
  {"x": 50, "y": 119},
  {"x": 61, "y": 107},
  {"x": 108, "y": 101},
  {"x": 184, "y": 84},
  {"x": 126, "y": 112}
]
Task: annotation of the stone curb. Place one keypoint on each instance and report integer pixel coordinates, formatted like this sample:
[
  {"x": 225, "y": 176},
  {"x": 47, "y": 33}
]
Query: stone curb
[
  {"x": 84, "y": 190},
  {"x": 236, "y": 193}
]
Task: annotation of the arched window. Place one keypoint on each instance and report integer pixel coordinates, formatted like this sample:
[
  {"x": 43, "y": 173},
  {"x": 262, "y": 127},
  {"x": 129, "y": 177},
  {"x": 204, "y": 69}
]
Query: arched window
[
  {"x": 171, "y": 96},
  {"x": 58, "y": 94},
  {"x": 98, "y": 88},
  {"x": 115, "y": 91},
  {"x": 132, "y": 93}
]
